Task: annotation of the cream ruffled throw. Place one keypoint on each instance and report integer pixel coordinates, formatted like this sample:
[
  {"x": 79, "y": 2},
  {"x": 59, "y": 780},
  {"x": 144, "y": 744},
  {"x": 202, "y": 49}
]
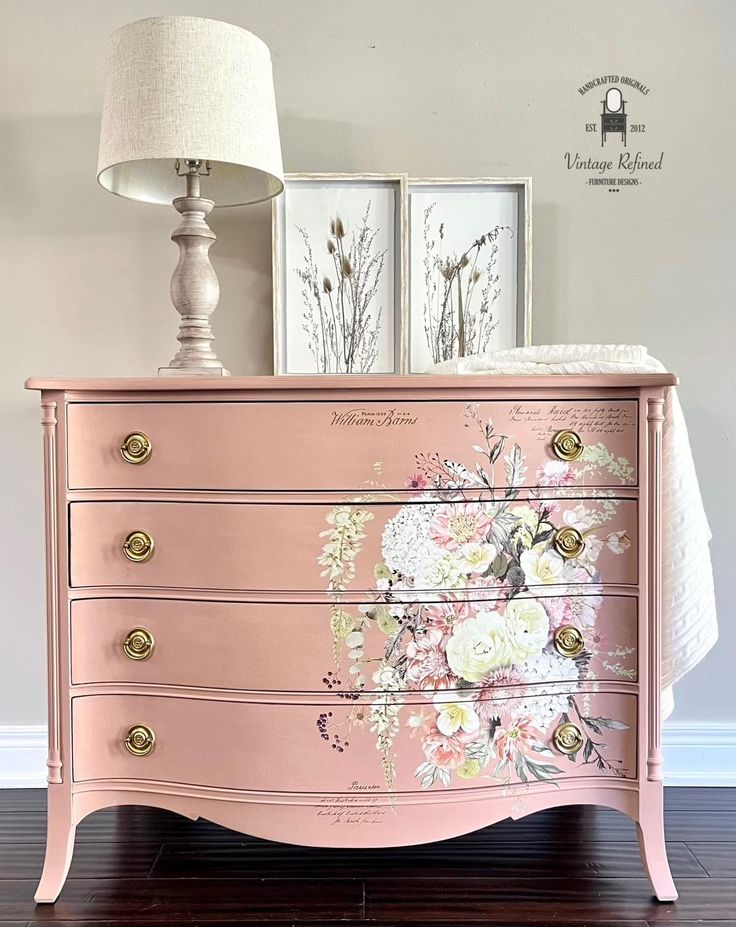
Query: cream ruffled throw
[{"x": 689, "y": 624}]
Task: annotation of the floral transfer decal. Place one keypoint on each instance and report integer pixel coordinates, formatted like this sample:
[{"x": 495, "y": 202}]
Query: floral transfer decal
[{"x": 458, "y": 622}]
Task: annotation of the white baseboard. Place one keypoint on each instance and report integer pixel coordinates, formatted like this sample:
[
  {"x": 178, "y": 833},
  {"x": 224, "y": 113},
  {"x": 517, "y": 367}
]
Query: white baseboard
[
  {"x": 22, "y": 756},
  {"x": 694, "y": 754},
  {"x": 699, "y": 754}
]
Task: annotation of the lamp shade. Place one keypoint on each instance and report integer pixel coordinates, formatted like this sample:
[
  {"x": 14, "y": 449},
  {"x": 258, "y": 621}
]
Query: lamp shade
[{"x": 181, "y": 87}]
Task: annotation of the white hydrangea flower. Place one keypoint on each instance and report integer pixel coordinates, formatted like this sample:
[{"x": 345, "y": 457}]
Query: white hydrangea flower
[
  {"x": 406, "y": 543},
  {"x": 542, "y": 710},
  {"x": 548, "y": 665}
]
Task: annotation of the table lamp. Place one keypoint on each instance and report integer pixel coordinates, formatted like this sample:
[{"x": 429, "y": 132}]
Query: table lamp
[{"x": 189, "y": 118}]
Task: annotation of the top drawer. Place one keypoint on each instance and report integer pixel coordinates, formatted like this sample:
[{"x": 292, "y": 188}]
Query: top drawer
[{"x": 262, "y": 446}]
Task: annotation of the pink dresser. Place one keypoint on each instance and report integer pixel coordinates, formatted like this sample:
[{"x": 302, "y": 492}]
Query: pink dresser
[{"x": 353, "y": 612}]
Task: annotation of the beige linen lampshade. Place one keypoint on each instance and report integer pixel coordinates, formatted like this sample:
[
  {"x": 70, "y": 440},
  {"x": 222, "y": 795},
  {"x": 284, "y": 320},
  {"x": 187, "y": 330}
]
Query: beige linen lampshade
[{"x": 181, "y": 87}]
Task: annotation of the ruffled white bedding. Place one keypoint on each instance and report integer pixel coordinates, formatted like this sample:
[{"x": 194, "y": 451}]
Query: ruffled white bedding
[{"x": 689, "y": 623}]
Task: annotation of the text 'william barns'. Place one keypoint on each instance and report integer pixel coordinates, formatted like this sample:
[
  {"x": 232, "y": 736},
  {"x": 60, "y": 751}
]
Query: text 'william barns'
[{"x": 378, "y": 418}]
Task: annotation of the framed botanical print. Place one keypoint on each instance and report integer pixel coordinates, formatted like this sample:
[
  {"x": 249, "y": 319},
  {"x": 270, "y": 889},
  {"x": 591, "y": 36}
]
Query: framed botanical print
[
  {"x": 469, "y": 268},
  {"x": 339, "y": 273}
]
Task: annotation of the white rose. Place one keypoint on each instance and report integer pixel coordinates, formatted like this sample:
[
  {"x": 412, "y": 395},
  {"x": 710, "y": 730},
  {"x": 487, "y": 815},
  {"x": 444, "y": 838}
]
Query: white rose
[
  {"x": 443, "y": 572},
  {"x": 478, "y": 646},
  {"x": 527, "y": 628}
]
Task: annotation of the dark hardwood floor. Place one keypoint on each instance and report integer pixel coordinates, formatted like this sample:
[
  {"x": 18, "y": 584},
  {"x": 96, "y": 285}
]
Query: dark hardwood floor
[{"x": 568, "y": 866}]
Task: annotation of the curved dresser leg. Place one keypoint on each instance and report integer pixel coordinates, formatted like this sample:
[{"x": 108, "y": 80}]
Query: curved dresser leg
[
  {"x": 650, "y": 830},
  {"x": 60, "y": 831}
]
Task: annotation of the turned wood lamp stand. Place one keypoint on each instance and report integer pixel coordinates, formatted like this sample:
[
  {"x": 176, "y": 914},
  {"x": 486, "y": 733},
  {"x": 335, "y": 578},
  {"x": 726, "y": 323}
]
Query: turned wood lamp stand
[{"x": 195, "y": 290}]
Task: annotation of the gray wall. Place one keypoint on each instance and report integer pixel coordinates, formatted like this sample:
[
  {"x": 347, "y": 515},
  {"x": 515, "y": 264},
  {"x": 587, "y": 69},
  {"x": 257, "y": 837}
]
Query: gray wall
[{"x": 432, "y": 87}]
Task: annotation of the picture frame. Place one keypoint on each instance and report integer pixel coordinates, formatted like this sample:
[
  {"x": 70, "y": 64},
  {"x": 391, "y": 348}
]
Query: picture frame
[
  {"x": 339, "y": 253},
  {"x": 469, "y": 263}
]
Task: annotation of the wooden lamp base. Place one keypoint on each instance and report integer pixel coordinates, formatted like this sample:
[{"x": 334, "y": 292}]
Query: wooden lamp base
[{"x": 195, "y": 290}]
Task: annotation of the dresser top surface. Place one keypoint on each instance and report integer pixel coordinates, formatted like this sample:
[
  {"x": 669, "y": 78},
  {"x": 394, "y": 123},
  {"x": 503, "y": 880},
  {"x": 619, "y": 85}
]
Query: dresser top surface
[{"x": 328, "y": 383}]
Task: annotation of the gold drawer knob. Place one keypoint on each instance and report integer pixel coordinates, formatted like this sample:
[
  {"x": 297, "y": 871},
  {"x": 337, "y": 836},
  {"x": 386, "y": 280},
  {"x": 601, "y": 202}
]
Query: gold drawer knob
[
  {"x": 568, "y": 542},
  {"x": 136, "y": 448},
  {"x": 140, "y": 740},
  {"x": 567, "y": 445},
  {"x": 568, "y": 641},
  {"x": 138, "y": 546},
  {"x": 139, "y": 644},
  {"x": 568, "y": 738}
]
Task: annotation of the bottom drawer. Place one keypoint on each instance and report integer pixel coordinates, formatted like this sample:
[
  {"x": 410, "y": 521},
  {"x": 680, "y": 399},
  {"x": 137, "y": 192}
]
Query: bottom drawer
[{"x": 389, "y": 743}]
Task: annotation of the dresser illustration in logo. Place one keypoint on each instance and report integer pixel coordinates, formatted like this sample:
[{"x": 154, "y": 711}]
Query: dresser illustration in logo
[{"x": 613, "y": 117}]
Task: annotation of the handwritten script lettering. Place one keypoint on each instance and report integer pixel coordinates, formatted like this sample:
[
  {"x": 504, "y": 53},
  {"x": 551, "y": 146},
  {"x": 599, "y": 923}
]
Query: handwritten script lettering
[
  {"x": 373, "y": 418},
  {"x": 544, "y": 419},
  {"x": 360, "y": 810}
]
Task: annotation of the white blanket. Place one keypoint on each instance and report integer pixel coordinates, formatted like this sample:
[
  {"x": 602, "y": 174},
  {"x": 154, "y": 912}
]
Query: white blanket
[{"x": 689, "y": 624}]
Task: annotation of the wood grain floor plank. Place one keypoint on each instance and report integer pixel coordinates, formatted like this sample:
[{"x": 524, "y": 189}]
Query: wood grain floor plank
[
  {"x": 544, "y": 901},
  {"x": 727, "y": 923},
  {"x": 459, "y": 857},
  {"x": 22, "y": 800},
  {"x": 695, "y": 825},
  {"x": 119, "y": 860},
  {"x": 126, "y": 824},
  {"x": 350, "y": 923},
  {"x": 718, "y": 859},
  {"x": 706, "y": 923},
  {"x": 700, "y": 798},
  {"x": 162, "y": 901}
]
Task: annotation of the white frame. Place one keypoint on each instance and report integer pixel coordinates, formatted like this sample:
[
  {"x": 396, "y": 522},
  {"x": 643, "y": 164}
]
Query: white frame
[
  {"x": 523, "y": 187},
  {"x": 279, "y": 264}
]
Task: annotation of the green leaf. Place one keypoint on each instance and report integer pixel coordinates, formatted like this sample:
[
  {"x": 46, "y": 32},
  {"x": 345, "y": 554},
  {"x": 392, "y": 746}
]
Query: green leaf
[
  {"x": 496, "y": 449},
  {"x": 542, "y": 770},
  {"x": 607, "y": 722}
]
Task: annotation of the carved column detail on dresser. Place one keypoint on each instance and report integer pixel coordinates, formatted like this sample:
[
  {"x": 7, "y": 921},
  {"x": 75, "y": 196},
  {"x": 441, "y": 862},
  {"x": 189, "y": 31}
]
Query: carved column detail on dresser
[
  {"x": 446, "y": 613},
  {"x": 655, "y": 422},
  {"x": 49, "y": 425}
]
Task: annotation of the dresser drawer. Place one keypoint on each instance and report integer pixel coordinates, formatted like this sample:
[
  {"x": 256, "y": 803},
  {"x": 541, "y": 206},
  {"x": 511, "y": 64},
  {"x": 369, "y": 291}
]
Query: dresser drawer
[
  {"x": 313, "y": 547},
  {"x": 270, "y": 747},
  {"x": 303, "y": 647},
  {"x": 338, "y": 446}
]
